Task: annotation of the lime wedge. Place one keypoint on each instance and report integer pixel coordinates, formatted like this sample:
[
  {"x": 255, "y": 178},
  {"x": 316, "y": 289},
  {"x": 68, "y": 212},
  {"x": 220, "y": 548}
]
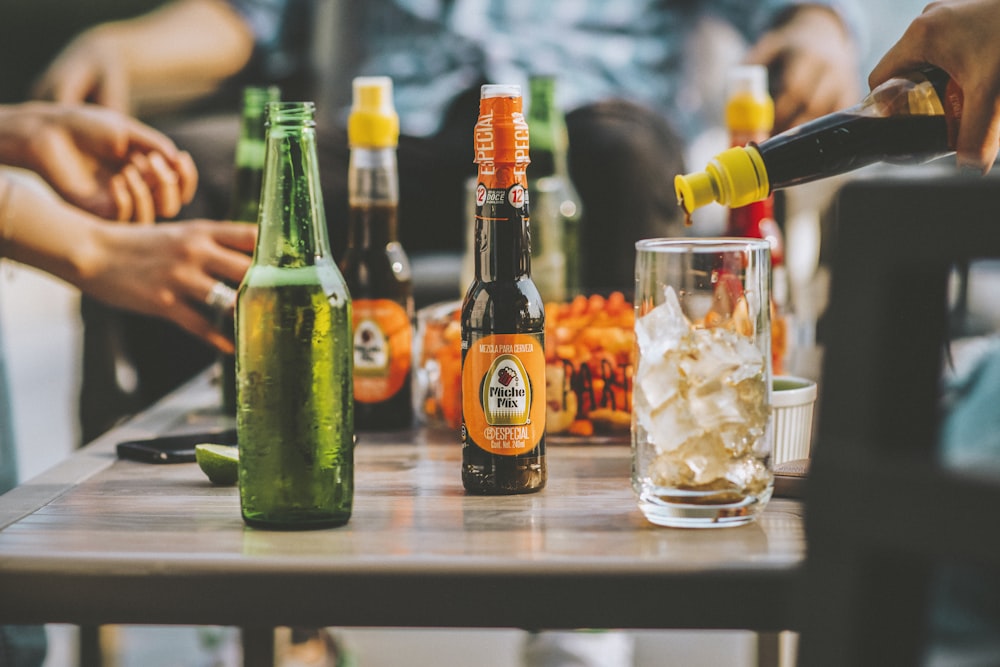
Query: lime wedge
[{"x": 219, "y": 462}]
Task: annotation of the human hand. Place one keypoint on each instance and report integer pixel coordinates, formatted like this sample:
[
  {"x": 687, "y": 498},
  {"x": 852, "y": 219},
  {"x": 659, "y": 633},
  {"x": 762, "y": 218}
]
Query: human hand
[
  {"x": 91, "y": 68},
  {"x": 165, "y": 58},
  {"x": 960, "y": 37},
  {"x": 98, "y": 159},
  {"x": 169, "y": 270},
  {"x": 813, "y": 66}
]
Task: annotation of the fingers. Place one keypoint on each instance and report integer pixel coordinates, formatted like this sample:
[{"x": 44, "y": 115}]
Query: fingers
[
  {"x": 979, "y": 131},
  {"x": 185, "y": 168},
  {"x": 189, "y": 319},
  {"x": 231, "y": 263},
  {"x": 162, "y": 183},
  {"x": 214, "y": 251},
  {"x": 121, "y": 197},
  {"x": 142, "y": 137},
  {"x": 166, "y": 185},
  {"x": 241, "y": 236},
  {"x": 904, "y": 56},
  {"x": 155, "y": 187},
  {"x": 143, "y": 208}
]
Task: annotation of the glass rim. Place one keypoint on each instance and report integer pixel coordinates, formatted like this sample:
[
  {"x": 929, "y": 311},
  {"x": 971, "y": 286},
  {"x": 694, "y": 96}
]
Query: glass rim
[
  {"x": 701, "y": 244},
  {"x": 284, "y": 114},
  {"x": 500, "y": 90}
]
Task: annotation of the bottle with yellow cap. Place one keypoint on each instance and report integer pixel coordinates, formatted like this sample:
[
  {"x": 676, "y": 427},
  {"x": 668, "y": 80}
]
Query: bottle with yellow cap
[
  {"x": 375, "y": 265},
  {"x": 906, "y": 119},
  {"x": 750, "y": 118}
]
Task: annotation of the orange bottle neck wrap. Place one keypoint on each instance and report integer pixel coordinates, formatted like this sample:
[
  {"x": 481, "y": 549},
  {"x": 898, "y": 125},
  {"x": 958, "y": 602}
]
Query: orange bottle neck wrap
[{"x": 501, "y": 134}]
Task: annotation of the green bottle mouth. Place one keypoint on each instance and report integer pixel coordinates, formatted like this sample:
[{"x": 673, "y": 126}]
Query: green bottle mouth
[{"x": 291, "y": 114}]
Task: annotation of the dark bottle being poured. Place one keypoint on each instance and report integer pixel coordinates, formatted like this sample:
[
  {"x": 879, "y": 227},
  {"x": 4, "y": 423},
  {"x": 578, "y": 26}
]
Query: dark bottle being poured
[{"x": 911, "y": 118}]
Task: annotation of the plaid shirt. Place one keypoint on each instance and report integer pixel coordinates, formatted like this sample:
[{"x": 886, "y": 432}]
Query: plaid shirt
[{"x": 598, "y": 49}]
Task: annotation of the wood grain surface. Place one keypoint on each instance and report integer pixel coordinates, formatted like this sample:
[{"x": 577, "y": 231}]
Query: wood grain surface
[{"x": 101, "y": 540}]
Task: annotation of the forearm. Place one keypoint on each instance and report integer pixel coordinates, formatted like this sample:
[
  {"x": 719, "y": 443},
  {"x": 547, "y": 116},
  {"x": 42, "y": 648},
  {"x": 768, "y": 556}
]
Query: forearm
[
  {"x": 18, "y": 125},
  {"x": 39, "y": 229},
  {"x": 186, "y": 46}
]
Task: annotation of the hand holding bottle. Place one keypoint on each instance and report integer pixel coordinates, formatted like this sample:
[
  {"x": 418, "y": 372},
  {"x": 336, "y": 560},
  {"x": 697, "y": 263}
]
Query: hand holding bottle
[{"x": 960, "y": 37}]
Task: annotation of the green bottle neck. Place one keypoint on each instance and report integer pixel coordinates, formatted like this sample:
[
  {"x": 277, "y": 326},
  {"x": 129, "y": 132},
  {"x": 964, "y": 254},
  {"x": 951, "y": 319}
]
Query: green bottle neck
[
  {"x": 292, "y": 220},
  {"x": 250, "y": 146},
  {"x": 549, "y": 140}
]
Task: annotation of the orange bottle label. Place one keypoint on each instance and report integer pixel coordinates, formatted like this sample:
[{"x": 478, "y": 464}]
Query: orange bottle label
[
  {"x": 383, "y": 341},
  {"x": 503, "y": 393},
  {"x": 501, "y": 135}
]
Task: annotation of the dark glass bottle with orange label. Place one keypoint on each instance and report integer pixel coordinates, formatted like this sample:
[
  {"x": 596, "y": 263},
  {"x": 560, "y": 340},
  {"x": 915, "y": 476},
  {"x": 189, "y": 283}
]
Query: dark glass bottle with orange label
[
  {"x": 503, "y": 318},
  {"x": 375, "y": 265}
]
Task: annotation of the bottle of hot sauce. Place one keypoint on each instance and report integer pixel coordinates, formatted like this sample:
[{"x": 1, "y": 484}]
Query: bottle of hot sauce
[
  {"x": 375, "y": 265},
  {"x": 503, "y": 318},
  {"x": 750, "y": 118}
]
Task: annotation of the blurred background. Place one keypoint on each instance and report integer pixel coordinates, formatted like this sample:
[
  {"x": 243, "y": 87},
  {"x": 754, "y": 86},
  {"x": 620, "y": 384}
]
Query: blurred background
[{"x": 42, "y": 344}]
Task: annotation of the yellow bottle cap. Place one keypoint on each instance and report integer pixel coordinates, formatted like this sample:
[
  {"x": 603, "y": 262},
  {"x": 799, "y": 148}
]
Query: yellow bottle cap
[
  {"x": 749, "y": 107},
  {"x": 742, "y": 176},
  {"x": 373, "y": 122},
  {"x": 735, "y": 177},
  {"x": 694, "y": 190}
]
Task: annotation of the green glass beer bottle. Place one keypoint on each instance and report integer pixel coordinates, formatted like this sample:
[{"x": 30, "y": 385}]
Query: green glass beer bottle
[
  {"x": 245, "y": 201},
  {"x": 295, "y": 406},
  {"x": 555, "y": 204},
  {"x": 503, "y": 317},
  {"x": 375, "y": 265}
]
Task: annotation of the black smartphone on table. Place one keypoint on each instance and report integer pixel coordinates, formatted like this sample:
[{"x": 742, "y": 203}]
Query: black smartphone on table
[{"x": 172, "y": 448}]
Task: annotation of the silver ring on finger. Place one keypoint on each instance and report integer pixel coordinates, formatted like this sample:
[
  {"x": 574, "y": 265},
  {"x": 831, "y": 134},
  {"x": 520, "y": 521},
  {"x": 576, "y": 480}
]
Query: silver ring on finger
[{"x": 221, "y": 297}]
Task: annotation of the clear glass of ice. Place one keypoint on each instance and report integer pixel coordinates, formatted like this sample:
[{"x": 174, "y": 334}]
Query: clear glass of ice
[{"x": 701, "y": 412}]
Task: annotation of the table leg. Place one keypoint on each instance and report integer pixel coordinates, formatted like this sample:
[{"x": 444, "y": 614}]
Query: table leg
[
  {"x": 768, "y": 649},
  {"x": 90, "y": 645},
  {"x": 258, "y": 647}
]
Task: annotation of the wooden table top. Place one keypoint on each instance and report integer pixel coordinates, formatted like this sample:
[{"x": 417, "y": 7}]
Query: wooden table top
[{"x": 101, "y": 540}]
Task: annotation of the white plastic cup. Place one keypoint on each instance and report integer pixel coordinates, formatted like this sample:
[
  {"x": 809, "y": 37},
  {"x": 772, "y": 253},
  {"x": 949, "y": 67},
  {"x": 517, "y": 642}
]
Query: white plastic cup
[{"x": 792, "y": 402}]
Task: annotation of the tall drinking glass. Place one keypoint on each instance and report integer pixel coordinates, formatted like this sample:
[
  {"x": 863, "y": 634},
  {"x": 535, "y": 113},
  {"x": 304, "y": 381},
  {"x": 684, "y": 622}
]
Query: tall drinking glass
[{"x": 701, "y": 417}]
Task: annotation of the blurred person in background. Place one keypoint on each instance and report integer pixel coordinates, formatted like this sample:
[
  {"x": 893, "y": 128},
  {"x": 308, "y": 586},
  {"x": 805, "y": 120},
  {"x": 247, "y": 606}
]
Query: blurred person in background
[
  {"x": 629, "y": 75},
  {"x": 626, "y": 76}
]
